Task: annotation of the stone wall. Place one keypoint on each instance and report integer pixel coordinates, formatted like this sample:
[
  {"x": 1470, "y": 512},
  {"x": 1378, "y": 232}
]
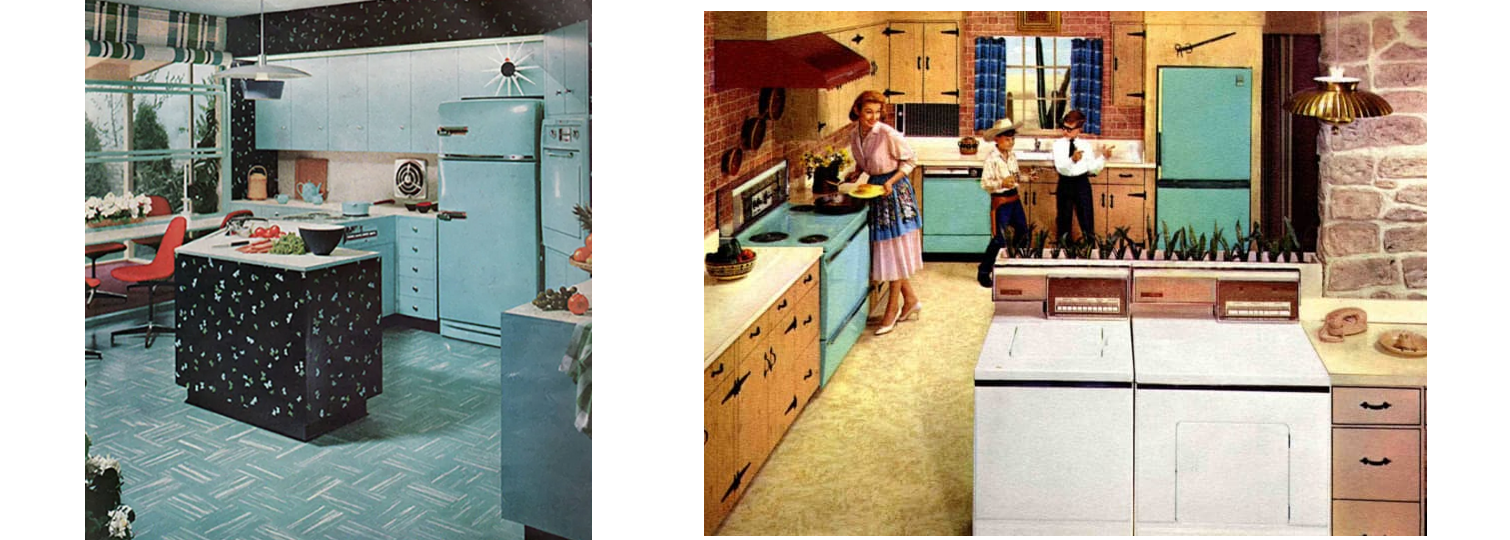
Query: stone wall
[{"x": 1373, "y": 171}]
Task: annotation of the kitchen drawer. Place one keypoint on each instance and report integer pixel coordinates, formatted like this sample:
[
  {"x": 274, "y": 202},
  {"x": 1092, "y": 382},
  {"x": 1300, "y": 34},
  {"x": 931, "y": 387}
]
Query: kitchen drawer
[
  {"x": 1376, "y": 518},
  {"x": 1123, "y": 176},
  {"x": 415, "y": 306},
  {"x": 417, "y": 287},
  {"x": 1016, "y": 287},
  {"x": 717, "y": 373},
  {"x": 418, "y": 247},
  {"x": 1376, "y": 464},
  {"x": 754, "y": 337},
  {"x": 1357, "y": 405},
  {"x": 809, "y": 322},
  {"x": 808, "y": 283},
  {"x": 406, "y": 260},
  {"x": 808, "y": 373},
  {"x": 416, "y": 228},
  {"x": 416, "y": 267}
]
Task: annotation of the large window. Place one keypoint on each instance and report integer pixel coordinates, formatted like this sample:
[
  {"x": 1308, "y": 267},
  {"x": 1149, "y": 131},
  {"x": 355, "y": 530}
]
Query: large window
[
  {"x": 1037, "y": 80},
  {"x": 152, "y": 134}
]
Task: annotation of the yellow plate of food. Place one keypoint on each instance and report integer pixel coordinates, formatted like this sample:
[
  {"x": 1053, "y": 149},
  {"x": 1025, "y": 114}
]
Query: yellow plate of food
[{"x": 867, "y": 191}]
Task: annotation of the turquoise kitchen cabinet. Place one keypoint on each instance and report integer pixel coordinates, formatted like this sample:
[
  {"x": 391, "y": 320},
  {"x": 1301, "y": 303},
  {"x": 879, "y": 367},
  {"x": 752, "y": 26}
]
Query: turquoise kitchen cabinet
[
  {"x": 388, "y": 110},
  {"x": 432, "y": 81},
  {"x": 309, "y": 108},
  {"x": 416, "y": 267},
  {"x": 567, "y": 63},
  {"x": 348, "y": 102},
  {"x": 274, "y": 121},
  {"x": 383, "y": 243},
  {"x": 501, "y": 69},
  {"x": 956, "y": 212}
]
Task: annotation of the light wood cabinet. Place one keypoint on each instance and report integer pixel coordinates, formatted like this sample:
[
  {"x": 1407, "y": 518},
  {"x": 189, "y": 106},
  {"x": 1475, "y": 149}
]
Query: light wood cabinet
[
  {"x": 1120, "y": 197},
  {"x": 1378, "y": 461},
  {"x": 754, "y": 391},
  {"x": 924, "y": 62},
  {"x": 1127, "y": 64}
]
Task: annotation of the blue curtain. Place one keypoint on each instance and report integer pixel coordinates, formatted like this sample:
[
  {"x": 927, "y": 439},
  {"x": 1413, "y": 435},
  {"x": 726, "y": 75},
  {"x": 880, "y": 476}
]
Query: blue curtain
[
  {"x": 1085, "y": 81},
  {"x": 990, "y": 81}
]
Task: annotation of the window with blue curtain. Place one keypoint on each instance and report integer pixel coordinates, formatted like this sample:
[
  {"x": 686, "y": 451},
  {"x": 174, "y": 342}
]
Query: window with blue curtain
[
  {"x": 1036, "y": 80},
  {"x": 1086, "y": 74},
  {"x": 990, "y": 82}
]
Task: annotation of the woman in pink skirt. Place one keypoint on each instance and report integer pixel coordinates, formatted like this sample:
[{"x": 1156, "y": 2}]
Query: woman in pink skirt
[{"x": 896, "y": 236}]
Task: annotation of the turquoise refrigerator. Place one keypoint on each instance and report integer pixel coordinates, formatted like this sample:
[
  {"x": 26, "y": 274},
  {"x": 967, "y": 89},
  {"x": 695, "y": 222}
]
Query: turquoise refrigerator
[{"x": 1205, "y": 148}]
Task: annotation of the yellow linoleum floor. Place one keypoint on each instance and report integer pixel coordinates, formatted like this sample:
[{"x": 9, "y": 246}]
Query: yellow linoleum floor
[{"x": 886, "y": 447}]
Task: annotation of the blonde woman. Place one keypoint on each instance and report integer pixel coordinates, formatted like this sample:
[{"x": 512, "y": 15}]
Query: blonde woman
[{"x": 896, "y": 239}]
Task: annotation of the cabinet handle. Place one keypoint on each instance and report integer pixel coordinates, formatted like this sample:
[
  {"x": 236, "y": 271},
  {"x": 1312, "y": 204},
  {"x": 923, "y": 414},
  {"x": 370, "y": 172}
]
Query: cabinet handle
[
  {"x": 756, "y": 334},
  {"x": 1103, "y": 199},
  {"x": 791, "y": 407},
  {"x": 1380, "y": 407},
  {"x": 415, "y": 248},
  {"x": 920, "y": 62},
  {"x": 734, "y": 486},
  {"x": 1371, "y": 463},
  {"x": 415, "y": 308},
  {"x": 415, "y": 229},
  {"x": 1112, "y": 198},
  {"x": 719, "y": 371},
  {"x": 809, "y": 375},
  {"x": 416, "y": 268},
  {"x": 793, "y": 327},
  {"x": 808, "y": 321},
  {"x": 1124, "y": 175},
  {"x": 783, "y": 304},
  {"x": 416, "y": 289},
  {"x": 808, "y": 279},
  {"x": 927, "y": 62}
]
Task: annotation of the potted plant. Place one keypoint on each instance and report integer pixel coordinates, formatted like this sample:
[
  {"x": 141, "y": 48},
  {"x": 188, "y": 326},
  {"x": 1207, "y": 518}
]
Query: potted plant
[
  {"x": 825, "y": 166},
  {"x": 115, "y": 209}
]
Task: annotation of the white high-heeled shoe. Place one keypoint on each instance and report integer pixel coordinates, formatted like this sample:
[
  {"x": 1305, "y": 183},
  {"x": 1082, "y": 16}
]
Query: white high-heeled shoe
[
  {"x": 915, "y": 313},
  {"x": 887, "y": 328}
]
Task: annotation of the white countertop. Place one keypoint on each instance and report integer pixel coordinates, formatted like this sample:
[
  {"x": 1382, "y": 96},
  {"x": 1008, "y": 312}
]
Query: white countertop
[
  {"x": 731, "y": 306},
  {"x": 1359, "y": 360},
  {"x": 944, "y": 151},
  {"x": 528, "y": 309},
  {"x": 209, "y": 247},
  {"x": 301, "y": 207}
]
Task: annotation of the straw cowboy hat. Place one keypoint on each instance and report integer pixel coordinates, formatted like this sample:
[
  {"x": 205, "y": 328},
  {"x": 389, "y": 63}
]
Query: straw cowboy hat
[{"x": 1005, "y": 124}]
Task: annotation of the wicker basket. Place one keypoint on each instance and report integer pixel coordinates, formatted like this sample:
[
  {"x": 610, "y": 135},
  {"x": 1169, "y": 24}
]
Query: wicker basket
[
  {"x": 968, "y": 146},
  {"x": 586, "y": 267},
  {"x": 729, "y": 271}
]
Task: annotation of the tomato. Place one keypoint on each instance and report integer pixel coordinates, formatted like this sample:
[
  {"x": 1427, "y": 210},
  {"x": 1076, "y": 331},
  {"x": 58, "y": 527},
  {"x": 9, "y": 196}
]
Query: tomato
[
  {"x": 578, "y": 304},
  {"x": 589, "y": 242},
  {"x": 580, "y": 254},
  {"x": 274, "y": 232},
  {"x": 259, "y": 232}
]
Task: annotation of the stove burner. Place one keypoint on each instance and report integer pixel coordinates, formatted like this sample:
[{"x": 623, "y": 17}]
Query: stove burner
[
  {"x": 769, "y": 237},
  {"x": 802, "y": 208},
  {"x": 813, "y": 239}
]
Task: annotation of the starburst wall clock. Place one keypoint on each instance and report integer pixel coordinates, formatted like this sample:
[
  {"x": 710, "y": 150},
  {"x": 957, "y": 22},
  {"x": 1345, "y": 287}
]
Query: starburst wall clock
[{"x": 508, "y": 67}]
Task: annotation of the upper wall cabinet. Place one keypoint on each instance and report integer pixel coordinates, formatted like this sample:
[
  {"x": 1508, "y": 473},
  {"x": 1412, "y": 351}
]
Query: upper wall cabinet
[
  {"x": 924, "y": 62},
  {"x": 311, "y": 116},
  {"x": 567, "y": 65},
  {"x": 388, "y": 128},
  {"x": 432, "y": 81},
  {"x": 1127, "y": 63},
  {"x": 347, "y": 106}
]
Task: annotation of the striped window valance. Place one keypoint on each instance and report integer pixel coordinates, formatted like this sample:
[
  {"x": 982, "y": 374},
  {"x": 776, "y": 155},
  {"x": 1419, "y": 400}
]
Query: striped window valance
[{"x": 114, "y": 30}]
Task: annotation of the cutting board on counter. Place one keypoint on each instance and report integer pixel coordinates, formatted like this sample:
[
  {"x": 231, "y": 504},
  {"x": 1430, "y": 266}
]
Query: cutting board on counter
[{"x": 311, "y": 170}]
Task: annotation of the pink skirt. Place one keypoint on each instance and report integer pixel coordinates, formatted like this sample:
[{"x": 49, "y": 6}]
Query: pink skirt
[{"x": 897, "y": 258}]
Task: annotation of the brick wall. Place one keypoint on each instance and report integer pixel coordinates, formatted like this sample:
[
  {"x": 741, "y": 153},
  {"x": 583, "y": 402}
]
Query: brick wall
[
  {"x": 1373, "y": 171},
  {"x": 1116, "y": 122}
]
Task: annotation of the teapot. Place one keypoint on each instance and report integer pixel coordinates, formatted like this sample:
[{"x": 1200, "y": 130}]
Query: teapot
[{"x": 310, "y": 192}]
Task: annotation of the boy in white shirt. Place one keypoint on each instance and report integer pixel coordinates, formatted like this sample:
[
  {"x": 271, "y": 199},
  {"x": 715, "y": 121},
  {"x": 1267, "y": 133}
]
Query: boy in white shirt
[
  {"x": 1075, "y": 168},
  {"x": 999, "y": 178}
]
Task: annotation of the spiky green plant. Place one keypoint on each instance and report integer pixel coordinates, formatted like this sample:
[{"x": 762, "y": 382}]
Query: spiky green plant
[
  {"x": 584, "y": 216},
  {"x": 1172, "y": 243},
  {"x": 1120, "y": 233},
  {"x": 1040, "y": 242}
]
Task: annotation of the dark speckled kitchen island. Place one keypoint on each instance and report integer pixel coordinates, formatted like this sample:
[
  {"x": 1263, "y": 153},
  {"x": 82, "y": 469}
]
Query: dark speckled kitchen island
[{"x": 291, "y": 344}]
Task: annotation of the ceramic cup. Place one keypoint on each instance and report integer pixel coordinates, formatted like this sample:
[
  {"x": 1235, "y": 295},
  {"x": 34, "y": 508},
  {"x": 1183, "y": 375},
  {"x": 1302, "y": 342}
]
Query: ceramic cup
[{"x": 282, "y": 198}]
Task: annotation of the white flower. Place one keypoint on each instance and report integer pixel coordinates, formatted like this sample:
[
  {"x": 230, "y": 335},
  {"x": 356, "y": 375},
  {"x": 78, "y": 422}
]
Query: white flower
[
  {"x": 120, "y": 522},
  {"x": 98, "y": 464}
]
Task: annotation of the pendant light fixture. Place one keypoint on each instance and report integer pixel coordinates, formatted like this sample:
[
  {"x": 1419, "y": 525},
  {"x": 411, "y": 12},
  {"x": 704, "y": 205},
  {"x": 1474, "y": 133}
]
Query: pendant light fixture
[
  {"x": 261, "y": 71},
  {"x": 1337, "y": 100}
]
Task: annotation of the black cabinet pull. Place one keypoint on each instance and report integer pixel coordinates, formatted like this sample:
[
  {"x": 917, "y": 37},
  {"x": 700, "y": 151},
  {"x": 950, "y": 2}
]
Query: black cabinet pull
[
  {"x": 927, "y": 62},
  {"x": 1103, "y": 199},
  {"x": 808, "y": 376},
  {"x": 719, "y": 371},
  {"x": 808, "y": 321},
  {"x": 756, "y": 334},
  {"x": 1370, "y": 407},
  {"x": 808, "y": 279},
  {"x": 1112, "y": 200},
  {"x": 1140, "y": 195},
  {"x": 952, "y": 93},
  {"x": 783, "y": 304},
  {"x": 1115, "y": 66},
  {"x": 1135, "y": 94},
  {"x": 792, "y": 327},
  {"x": 920, "y": 62},
  {"x": 734, "y": 486},
  {"x": 889, "y": 92},
  {"x": 1371, "y": 463},
  {"x": 792, "y": 406}
]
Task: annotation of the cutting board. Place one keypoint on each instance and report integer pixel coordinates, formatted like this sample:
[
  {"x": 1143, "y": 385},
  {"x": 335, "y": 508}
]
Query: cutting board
[{"x": 311, "y": 170}]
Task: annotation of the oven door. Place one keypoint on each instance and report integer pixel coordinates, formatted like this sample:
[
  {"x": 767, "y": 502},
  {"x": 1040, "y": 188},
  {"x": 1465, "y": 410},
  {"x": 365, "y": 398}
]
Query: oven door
[{"x": 846, "y": 279}]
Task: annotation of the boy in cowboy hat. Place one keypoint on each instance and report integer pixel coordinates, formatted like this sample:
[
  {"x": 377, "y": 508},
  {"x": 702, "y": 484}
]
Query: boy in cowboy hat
[{"x": 999, "y": 178}]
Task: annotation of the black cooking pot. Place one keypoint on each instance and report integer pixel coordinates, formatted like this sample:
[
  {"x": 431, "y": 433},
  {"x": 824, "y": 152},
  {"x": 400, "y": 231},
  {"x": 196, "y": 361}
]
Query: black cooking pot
[{"x": 837, "y": 203}]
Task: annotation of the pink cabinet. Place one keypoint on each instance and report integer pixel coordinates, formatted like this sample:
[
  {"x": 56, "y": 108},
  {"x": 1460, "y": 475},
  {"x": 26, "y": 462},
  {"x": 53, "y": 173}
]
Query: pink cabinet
[{"x": 1378, "y": 461}]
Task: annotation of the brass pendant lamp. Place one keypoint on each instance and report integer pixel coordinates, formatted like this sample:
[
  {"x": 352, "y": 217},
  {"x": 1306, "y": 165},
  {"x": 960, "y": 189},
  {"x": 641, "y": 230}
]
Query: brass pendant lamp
[{"x": 1337, "y": 99}]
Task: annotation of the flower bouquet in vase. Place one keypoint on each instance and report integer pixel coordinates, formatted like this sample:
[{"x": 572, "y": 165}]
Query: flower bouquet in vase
[
  {"x": 823, "y": 168},
  {"x": 115, "y": 209}
]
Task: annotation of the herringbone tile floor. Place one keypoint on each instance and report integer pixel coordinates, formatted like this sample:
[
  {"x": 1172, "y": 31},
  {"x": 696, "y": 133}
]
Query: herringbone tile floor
[{"x": 422, "y": 465}]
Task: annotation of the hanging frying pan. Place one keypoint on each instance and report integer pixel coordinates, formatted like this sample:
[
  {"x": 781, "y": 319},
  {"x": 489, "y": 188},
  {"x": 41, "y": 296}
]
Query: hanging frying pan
[
  {"x": 772, "y": 103},
  {"x": 753, "y": 133},
  {"x": 731, "y": 161}
]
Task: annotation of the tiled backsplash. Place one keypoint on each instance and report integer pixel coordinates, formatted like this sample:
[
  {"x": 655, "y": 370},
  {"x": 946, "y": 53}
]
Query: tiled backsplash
[{"x": 358, "y": 176}]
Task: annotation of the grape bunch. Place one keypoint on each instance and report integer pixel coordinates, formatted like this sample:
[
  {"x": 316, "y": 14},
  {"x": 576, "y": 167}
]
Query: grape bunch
[{"x": 554, "y": 299}]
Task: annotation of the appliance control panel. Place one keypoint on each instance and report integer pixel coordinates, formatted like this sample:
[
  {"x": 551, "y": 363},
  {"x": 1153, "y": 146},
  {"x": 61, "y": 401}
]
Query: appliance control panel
[
  {"x": 1087, "y": 296},
  {"x": 1260, "y": 300}
]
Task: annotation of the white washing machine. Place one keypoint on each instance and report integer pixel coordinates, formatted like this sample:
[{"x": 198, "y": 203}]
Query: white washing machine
[
  {"x": 1233, "y": 428},
  {"x": 1054, "y": 416}
]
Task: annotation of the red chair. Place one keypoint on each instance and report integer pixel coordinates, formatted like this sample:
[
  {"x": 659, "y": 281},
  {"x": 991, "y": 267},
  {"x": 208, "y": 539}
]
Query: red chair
[
  {"x": 160, "y": 207},
  {"x": 90, "y": 284},
  {"x": 155, "y": 274},
  {"x": 94, "y": 252}
]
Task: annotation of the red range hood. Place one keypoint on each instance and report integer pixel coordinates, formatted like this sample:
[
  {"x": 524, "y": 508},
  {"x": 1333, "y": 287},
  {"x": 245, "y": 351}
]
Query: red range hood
[{"x": 806, "y": 61}]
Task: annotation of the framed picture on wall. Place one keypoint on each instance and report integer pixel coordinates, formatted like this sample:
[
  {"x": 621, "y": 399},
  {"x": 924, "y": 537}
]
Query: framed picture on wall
[{"x": 1046, "y": 22}]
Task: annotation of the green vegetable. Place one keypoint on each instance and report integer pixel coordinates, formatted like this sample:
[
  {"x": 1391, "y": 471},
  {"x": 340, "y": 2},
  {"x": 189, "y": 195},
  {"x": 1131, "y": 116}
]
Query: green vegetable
[{"x": 289, "y": 244}]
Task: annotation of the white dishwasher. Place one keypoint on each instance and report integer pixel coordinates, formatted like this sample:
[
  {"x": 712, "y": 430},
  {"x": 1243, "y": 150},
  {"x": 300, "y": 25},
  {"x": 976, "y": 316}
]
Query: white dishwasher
[{"x": 1054, "y": 405}]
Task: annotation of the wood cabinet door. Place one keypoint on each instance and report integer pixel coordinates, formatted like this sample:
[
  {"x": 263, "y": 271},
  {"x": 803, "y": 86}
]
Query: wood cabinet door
[
  {"x": 941, "y": 63},
  {"x": 874, "y": 47},
  {"x": 1126, "y": 206},
  {"x": 309, "y": 110},
  {"x": 348, "y": 103},
  {"x": 1127, "y": 64},
  {"x": 388, "y": 109},
  {"x": 1038, "y": 202},
  {"x": 905, "y": 51},
  {"x": 721, "y": 481}
]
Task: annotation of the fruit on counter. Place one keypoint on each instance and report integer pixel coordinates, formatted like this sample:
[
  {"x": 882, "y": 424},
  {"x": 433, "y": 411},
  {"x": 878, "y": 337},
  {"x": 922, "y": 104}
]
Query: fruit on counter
[
  {"x": 289, "y": 244},
  {"x": 589, "y": 242},
  {"x": 267, "y": 232},
  {"x": 577, "y": 304},
  {"x": 729, "y": 252},
  {"x": 554, "y": 299},
  {"x": 581, "y": 254}
]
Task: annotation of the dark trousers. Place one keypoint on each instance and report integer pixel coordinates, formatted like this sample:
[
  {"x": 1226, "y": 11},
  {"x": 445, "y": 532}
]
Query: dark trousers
[
  {"x": 1008, "y": 216},
  {"x": 1074, "y": 195}
]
